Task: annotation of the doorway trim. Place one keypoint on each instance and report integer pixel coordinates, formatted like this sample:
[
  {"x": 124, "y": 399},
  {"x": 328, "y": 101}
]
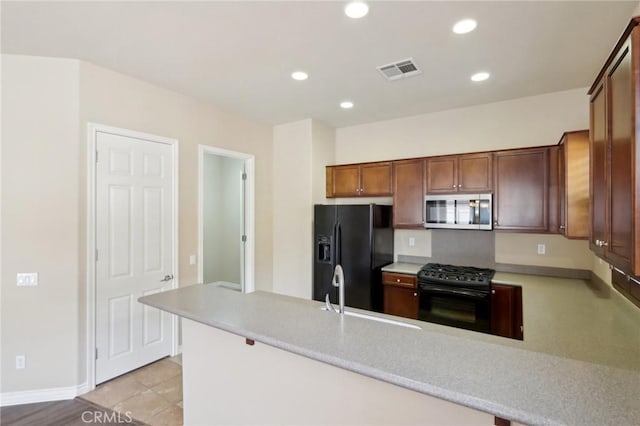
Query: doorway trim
[
  {"x": 248, "y": 285},
  {"x": 90, "y": 320}
]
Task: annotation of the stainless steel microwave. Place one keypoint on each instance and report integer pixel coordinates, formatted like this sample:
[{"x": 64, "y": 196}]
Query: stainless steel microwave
[{"x": 458, "y": 211}]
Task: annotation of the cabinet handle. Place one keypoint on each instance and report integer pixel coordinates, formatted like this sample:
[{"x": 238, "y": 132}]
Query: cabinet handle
[
  {"x": 495, "y": 222},
  {"x": 604, "y": 243},
  {"x": 415, "y": 294},
  {"x": 459, "y": 186},
  {"x": 398, "y": 280},
  {"x": 561, "y": 226},
  {"x": 493, "y": 292}
]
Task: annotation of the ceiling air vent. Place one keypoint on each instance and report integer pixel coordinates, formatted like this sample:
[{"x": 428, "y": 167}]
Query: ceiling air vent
[{"x": 400, "y": 69}]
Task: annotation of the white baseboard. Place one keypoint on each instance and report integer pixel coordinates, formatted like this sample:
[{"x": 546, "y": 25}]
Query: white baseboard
[{"x": 42, "y": 395}]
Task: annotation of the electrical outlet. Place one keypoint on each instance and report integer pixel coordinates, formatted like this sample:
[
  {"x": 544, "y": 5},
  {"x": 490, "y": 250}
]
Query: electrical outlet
[
  {"x": 412, "y": 242},
  {"x": 542, "y": 249},
  {"x": 27, "y": 280},
  {"x": 20, "y": 362}
]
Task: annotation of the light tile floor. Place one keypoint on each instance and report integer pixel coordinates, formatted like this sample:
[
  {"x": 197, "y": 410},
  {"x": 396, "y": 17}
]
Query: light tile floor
[{"x": 152, "y": 394}]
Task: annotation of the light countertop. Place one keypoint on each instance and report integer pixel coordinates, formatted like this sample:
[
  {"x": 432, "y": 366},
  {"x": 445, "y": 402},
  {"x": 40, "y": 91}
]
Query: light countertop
[
  {"x": 571, "y": 318},
  {"x": 531, "y": 382},
  {"x": 402, "y": 268}
]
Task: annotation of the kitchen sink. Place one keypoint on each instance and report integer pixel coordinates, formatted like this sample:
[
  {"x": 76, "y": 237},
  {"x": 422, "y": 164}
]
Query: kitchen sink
[{"x": 373, "y": 318}]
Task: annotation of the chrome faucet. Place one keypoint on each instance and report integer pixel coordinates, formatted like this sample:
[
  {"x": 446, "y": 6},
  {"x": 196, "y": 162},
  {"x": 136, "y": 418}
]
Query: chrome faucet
[{"x": 338, "y": 281}]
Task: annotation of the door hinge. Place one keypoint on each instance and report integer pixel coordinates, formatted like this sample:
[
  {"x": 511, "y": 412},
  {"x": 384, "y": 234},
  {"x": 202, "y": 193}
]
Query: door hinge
[
  {"x": 244, "y": 176},
  {"x": 96, "y": 156},
  {"x": 96, "y": 255},
  {"x": 96, "y": 353},
  {"x": 244, "y": 238}
]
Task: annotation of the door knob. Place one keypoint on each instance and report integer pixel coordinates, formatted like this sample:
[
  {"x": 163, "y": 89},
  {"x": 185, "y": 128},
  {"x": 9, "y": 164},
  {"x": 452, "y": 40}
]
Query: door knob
[{"x": 167, "y": 278}]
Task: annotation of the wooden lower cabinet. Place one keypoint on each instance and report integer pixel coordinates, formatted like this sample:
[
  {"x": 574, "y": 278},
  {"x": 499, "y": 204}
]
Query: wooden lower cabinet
[
  {"x": 506, "y": 311},
  {"x": 400, "y": 295}
]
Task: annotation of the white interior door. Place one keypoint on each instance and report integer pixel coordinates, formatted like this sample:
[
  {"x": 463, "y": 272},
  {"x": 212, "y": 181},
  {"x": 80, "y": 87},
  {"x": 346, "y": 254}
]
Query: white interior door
[{"x": 134, "y": 240}]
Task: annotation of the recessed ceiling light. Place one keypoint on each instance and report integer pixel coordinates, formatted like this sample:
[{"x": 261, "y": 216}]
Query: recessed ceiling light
[
  {"x": 465, "y": 26},
  {"x": 299, "y": 75},
  {"x": 480, "y": 76},
  {"x": 356, "y": 9},
  {"x": 346, "y": 104}
]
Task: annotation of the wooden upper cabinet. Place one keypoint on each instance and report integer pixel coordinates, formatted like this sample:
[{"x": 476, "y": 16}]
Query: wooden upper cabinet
[
  {"x": 442, "y": 174},
  {"x": 459, "y": 173},
  {"x": 346, "y": 181},
  {"x": 375, "y": 179},
  {"x": 614, "y": 176},
  {"x": 573, "y": 176},
  {"x": 621, "y": 92},
  {"x": 408, "y": 193},
  {"x": 521, "y": 190},
  {"x": 475, "y": 172},
  {"x": 598, "y": 170},
  {"x": 359, "y": 180}
]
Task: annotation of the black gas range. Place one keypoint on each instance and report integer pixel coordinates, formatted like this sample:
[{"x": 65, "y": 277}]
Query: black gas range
[{"x": 457, "y": 296}]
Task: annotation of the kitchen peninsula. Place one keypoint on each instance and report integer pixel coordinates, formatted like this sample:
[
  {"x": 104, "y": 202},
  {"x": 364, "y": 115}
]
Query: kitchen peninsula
[{"x": 286, "y": 372}]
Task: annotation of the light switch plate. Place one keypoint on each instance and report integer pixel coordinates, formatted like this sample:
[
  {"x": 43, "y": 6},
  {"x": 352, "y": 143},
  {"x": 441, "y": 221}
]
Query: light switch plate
[
  {"x": 192, "y": 259},
  {"x": 542, "y": 248},
  {"x": 20, "y": 362},
  {"x": 27, "y": 280},
  {"x": 412, "y": 241}
]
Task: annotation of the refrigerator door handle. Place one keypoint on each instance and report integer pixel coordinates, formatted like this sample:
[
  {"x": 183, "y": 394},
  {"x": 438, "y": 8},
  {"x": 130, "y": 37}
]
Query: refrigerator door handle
[
  {"x": 334, "y": 245},
  {"x": 338, "y": 244}
]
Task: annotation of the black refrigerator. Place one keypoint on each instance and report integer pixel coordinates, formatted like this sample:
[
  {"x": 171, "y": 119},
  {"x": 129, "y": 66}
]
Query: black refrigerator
[{"x": 358, "y": 237}]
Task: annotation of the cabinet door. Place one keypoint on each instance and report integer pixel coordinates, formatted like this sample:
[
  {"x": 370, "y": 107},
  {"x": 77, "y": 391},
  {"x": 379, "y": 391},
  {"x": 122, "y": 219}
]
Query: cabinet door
[
  {"x": 556, "y": 201},
  {"x": 328, "y": 182},
  {"x": 346, "y": 181},
  {"x": 619, "y": 248},
  {"x": 506, "y": 311},
  {"x": 521, "y": 190},
  {"x": 402, "y": 302},
  {"x": 408, "y": 193},
  {"x": 598, "y": 170},
  {"x": 475, "y": 172},
  {"x": 442, "y": 174},
  {"x": 575, "y": 188},
  {"x": 375, "y": 179}
]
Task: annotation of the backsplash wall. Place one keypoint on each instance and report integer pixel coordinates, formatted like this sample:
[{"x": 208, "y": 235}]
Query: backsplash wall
[{"x": 486, "y": 248}]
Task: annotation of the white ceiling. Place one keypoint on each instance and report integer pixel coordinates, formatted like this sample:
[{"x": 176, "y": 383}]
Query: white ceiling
[{"x": 239, "y": 55}]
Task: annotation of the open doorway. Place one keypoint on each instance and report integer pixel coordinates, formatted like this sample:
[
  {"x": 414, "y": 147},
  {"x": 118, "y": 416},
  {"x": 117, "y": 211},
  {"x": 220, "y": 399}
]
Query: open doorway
[{"x": 225, "y": 218}]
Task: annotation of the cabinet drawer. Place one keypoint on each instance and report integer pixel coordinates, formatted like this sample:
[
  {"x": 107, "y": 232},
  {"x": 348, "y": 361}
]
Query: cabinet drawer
[{"x": 399, "y": 280}]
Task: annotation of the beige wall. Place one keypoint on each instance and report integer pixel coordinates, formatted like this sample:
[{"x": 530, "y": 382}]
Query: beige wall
[
  {"x": 323, "y": 152},
  {"x": 47, "y": 105},
  {"x": 117, "y": 100},
  {"x": 531, "y": 121},
  {"x": 301, "y": 152},
  {"x": 40, "y": 226},
  {"x": 293, "y": 210}
]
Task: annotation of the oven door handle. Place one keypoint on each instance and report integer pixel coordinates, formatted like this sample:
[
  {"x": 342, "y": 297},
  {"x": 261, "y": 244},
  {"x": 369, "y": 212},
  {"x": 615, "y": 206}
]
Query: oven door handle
[{"x": 454, "y": 291}]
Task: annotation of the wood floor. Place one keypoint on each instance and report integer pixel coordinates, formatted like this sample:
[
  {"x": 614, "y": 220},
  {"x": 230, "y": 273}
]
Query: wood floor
[{"x": 68, "y": 413}]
